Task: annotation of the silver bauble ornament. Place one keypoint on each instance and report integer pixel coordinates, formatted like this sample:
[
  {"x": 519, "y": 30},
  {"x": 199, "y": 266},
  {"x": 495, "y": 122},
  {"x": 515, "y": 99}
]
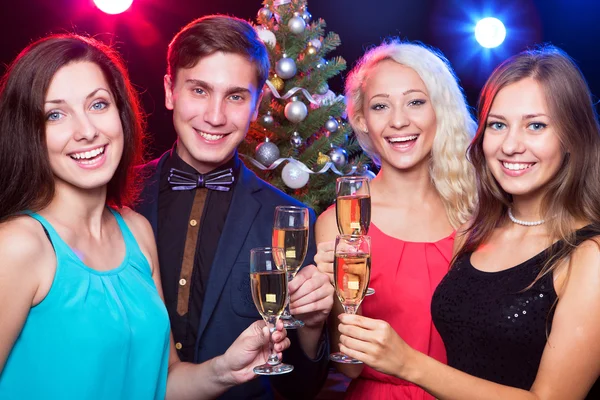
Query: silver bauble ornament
[
  {"x": 296, "y": 140},
  {"x": 267, "y": 119},
  {"x": 325, "y": 99},
  {"x": 316, "y": 43},
  {"x": 266, "y": 13},
  {"x": 296, "y": 25},
  {"x": 331, "y": 125},
  {"x": 323, "y": 88},
  {"x": 293, "y": 176},
  {"x": 295, "y": 111},
  {"x": 339, "y": 156},
  {"x": 267, "y": 153},
  {"x": 362, "y": 169},
  {"x": 266, "y": 36},
  {"x": 285, "y": 68},
  {"x": 306, "y": 16}
]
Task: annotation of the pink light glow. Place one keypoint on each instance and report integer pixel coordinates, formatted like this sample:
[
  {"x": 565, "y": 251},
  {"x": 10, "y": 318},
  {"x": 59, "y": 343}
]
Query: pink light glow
[{"x": 113, "y": 6}]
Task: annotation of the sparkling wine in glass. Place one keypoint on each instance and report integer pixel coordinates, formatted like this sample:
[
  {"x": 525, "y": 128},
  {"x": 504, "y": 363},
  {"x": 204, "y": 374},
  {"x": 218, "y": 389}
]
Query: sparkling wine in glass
[
  {"x": 351, "y": 272},
  {"x": 268, "y": 282},
  {"x": 290, "y": 232},
  {"x": 353, "y": 207}
]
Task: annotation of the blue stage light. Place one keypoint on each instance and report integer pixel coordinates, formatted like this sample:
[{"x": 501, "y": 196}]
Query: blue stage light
[{"x": 490, "y": 32}]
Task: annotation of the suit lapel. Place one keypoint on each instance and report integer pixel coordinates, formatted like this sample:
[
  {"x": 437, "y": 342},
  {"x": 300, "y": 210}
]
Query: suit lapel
[{"x": 240, "y": 218}]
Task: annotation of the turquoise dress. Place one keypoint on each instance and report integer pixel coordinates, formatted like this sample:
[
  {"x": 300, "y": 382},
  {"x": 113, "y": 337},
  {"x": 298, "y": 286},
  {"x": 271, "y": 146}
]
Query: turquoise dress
[{"x": 96, "y": 335}]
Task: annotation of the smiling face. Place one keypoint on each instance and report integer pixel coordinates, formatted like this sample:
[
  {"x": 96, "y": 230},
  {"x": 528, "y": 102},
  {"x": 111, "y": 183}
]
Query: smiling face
[
  {"x": 213, "y": 104},
  {"x": 520, "y": 143},
  {"x": 84, "y": 134},
  {"x": 398, "y": 116}
]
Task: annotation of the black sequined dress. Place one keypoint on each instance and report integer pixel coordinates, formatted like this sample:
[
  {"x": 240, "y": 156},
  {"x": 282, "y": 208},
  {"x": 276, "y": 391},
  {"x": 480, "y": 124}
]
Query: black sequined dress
[{"x": 491, "y": 327}]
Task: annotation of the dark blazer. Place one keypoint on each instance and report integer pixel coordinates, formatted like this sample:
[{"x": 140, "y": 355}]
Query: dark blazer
[{"x": 228, "y": 307}]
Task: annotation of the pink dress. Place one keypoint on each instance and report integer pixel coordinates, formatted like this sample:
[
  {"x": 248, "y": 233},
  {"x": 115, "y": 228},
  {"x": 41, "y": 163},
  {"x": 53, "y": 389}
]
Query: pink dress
[{"x": 404, "y": 276}]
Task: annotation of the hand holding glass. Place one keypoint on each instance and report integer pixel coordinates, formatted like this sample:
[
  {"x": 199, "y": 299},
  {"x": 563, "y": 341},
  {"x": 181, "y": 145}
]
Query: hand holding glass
[
  {"x": 351, "y": 272},
  {"x": 290, "y": 232},
  {"x": 268, "y": 281}
]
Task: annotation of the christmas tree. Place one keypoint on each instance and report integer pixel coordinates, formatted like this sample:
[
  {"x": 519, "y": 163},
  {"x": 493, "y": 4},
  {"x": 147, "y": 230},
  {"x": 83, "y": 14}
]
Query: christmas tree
[{"x": 300, "y": 141}]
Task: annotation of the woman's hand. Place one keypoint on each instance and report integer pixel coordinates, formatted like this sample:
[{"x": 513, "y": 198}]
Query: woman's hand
[
  {"x": 250, "y": 349},
  {"x": 375, "y": 343},
  {"x": 324, "y": 258}
]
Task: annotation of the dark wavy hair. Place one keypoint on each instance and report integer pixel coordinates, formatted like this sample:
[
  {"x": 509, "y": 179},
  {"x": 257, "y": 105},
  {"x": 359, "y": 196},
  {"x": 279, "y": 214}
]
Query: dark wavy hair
[
  {"x": 217, "y": 33},
  {"x": 573, "y": 194},
  {"x": 26, "y": 179}
]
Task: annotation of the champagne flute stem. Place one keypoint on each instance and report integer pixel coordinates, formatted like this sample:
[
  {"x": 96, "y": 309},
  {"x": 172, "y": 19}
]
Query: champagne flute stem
[
  {"x": 350, "y": 309},
  {"x": 271, "y": 324}
]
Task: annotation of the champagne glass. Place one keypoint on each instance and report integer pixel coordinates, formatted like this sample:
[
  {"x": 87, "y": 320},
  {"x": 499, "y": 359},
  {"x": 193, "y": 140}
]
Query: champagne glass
[
  {"x": 268, "y": 281},
  {"x": 351, "y": 273},
  {"x": 353, "y": 207},
  {"x": 290, "y": 232}
]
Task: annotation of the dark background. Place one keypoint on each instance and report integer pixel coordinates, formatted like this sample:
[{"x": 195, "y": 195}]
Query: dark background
[{"x": 143, "y": 32}]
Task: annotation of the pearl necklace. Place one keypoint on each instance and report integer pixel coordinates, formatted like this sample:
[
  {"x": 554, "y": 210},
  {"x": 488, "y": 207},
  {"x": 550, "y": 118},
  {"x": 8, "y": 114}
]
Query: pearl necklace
[{"x": 524, "y": 223}]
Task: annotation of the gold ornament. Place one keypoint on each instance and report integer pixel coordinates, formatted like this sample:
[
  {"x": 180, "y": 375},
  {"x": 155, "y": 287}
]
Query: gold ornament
[
  {"x": 310, "y": 50},
  {"x": 322, "y": 159},
  {"x": 277, "y": 82}
]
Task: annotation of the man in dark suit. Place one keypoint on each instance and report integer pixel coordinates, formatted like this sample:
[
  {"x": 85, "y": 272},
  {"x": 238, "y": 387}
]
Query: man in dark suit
[{"x": 208, "y": 210}]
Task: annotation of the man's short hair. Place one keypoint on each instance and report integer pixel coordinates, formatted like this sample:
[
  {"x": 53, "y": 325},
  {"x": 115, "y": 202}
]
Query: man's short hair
[{"x": 217, "y": 33}]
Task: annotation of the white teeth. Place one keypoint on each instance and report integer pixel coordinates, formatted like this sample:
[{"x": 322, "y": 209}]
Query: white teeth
[
  {"x": 516, "y": 166},
  {"x": 208, "y": 136},
  {"x": 86, "y": 155},
  {"x": 403, "y": 139}
]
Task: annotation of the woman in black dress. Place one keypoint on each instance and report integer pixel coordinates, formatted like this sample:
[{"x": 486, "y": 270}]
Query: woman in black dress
[{"x": 519, "y": 309}]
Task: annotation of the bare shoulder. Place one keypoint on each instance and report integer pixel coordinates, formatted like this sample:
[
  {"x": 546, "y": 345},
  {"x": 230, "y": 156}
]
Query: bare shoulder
[
  {"x": 22, "y": 239},
  {"x": 587, "y": 257},
  {"x": 326, "y": 226},
  {"x": 25, "y": 251},
  {"x": 138, "y": 224},
  {"x": 142, "y": 231},
  {"x": 583, "y": 268},
  {"x": 327, "y": 217}
]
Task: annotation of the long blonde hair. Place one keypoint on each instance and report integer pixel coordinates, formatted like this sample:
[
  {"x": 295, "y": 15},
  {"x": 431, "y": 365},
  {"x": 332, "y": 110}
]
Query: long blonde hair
[{"x": 450, "y": 170}]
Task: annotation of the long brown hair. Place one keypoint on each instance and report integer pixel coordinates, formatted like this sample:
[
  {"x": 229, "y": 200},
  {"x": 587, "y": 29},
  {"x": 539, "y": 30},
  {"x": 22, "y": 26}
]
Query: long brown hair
[
  {"x": 573, "y": 194},
  {"x": 26, "y": 179}
]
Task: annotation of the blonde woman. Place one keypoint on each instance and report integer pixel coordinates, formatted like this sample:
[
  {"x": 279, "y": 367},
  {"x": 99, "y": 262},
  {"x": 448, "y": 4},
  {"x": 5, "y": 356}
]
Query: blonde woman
[{"x": 410, "y": 116}]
